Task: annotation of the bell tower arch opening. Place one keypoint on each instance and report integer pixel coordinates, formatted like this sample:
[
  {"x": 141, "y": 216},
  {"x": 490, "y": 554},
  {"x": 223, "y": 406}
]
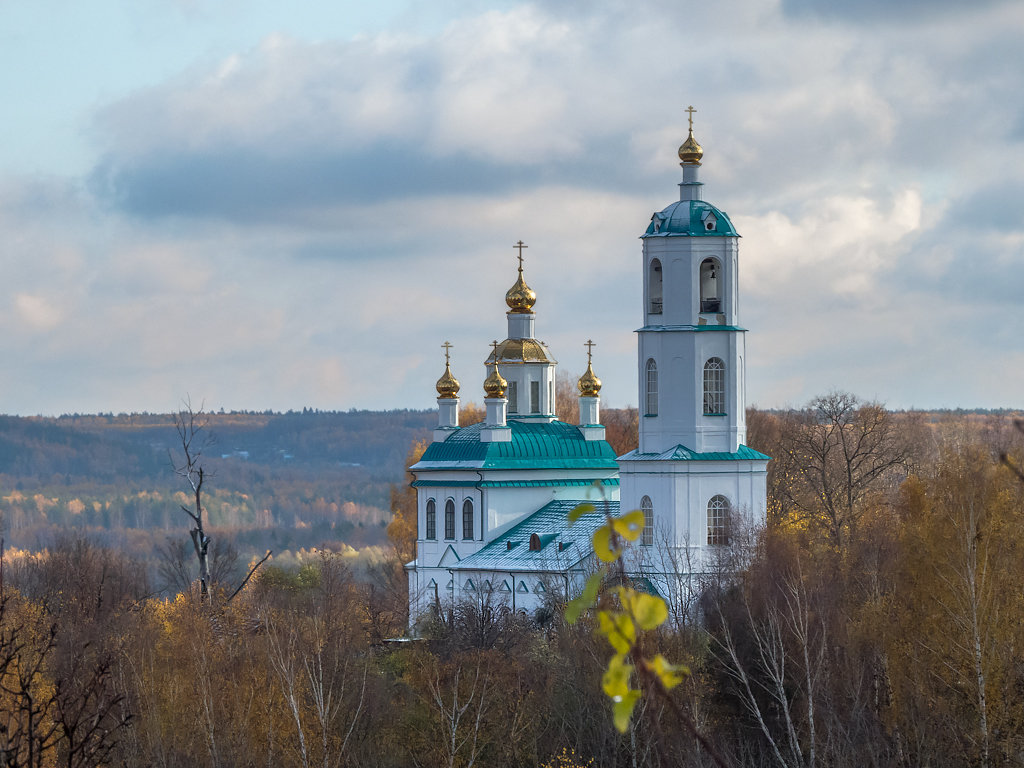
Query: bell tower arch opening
[
  {"x": 710, "y": 277},
  {"x": 654, "y": 287}
]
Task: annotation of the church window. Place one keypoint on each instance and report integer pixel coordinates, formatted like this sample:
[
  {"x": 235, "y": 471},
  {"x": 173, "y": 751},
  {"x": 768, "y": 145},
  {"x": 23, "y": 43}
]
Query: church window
[
  {"x": 709, "y": 295},
  {"x": 651, "y": 400},
  {"x": 431, "y": 519},
  {"x": 513, "y": 399},
  {"x": 718, "y": 521},
  {"x": 467, "y": 519},
  {"x": 714, "y": 387},
  {"x": 534, "y": 542},
  {"x": 654, "y": 287},
  {"x": 534, "y": 397},
  {"x": 648, "y": 509},
  {"x": 449, "y": 519}
]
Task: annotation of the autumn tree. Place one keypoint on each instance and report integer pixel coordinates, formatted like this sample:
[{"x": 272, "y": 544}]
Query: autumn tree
[
  {"x": 567, "y": 403},
  {"x": 470, "y": 413},
  {"x": 58, "y": 700},
  {"x": 835, "y": 453},
  {"x": 402, "y": 528},
  {"x": 621, "y": 428},
  {"x": 960, "y": 609},
  {"x": 319, "y": 665}
]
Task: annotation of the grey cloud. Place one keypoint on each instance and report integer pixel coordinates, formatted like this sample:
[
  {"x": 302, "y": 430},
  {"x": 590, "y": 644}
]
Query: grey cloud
[
  {"x": 879, "y": 10},
  {"x": 253, "y": 184},
  {"x": 993, "y": 208},
  {"x": 964, "y": 259},
  {"x": 265, "y": 184}
]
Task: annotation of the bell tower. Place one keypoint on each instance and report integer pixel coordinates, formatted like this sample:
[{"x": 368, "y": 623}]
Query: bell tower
[
  {"x": 692, "y": 470},
  {"x": 691, "y": 345}
]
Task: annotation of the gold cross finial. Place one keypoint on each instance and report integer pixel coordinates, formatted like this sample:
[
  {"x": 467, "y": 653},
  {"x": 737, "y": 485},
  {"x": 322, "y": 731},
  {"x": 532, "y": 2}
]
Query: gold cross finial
[
  {"x": 520, "y": 245},
  {"x": 691, "y": 110},
  {"x": 446, "y": 346},
  {"x": 494, "y": 346},
  {"x": 590, "y": 347}
]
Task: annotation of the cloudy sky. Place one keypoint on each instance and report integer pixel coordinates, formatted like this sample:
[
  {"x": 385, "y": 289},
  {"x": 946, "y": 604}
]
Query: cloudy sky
[{"x": 275, "y": 205}]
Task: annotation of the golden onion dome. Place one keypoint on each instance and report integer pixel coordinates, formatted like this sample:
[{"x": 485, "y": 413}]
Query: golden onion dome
[
  {"x": 520, "y": 351},
  {"x": 691, "y": 152},
  {"x": 520, "y": 297},
  {"x": 447, "y": 385},
  {"x": 495, "y": 385},
  {"x": 589, "y": 385}
]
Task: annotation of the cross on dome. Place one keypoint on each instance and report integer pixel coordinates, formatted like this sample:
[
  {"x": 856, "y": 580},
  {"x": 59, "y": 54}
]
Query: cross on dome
[
  {"x": 520, "y": 297},
  {"x": 589, "y": 385},
  {"x": 447, "y": 386},
  {"x": 691, "y": 152},
  {"x": 495, "y": 385},
  {"x": 520, "y": 245}
]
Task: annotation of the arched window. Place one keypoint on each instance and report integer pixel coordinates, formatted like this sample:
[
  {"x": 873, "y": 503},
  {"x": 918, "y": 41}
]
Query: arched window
[
  {"x": 714, "y": 387},
  {"x": 709, "y": 298},
  {"x": 651, "y": 401},
  {"x": 654, "y": 286},
  {"x": 431, "y": 519},
  {"x": 718, "y": 521},
  {"x": 467, "y": 519},
  {"x": 534, "y": 542},
  {"x": 648, "y": 509},
  {"x": 449, "y": 519}
]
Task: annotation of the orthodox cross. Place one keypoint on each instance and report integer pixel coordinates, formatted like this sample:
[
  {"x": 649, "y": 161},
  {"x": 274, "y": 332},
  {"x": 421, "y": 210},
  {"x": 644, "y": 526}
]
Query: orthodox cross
[
  {"x": 520, "y": 245},
  {"x": 494, "y": 344},
  {"x": 590, "y": 347},
  {"x": 691, "y": 110},
  {"x": 446, "y": 346}
]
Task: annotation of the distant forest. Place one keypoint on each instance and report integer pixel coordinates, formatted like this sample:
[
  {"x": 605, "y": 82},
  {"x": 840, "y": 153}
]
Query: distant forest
[
  {"x": 274, "y": 480},
  {"x": 289, "y": 482}
]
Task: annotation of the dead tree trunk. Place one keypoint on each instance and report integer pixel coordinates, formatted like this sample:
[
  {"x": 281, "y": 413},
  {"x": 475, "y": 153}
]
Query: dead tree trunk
[{"x": 191, "y": 427}]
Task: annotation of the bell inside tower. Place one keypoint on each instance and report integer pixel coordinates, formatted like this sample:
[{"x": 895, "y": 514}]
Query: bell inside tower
[{"x": 709, "y": 297}]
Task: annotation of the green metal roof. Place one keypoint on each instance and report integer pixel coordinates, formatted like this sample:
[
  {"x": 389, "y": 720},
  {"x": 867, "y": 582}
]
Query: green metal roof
[
  {"x": 551, "y": 524},
  {"x": 560, "y": 482},
  {"x": 686, "y": 218},
  {"x": 682, "y": 453},
  {"x": 534, "y": 445},
  {"x": 707, "y": 327}
]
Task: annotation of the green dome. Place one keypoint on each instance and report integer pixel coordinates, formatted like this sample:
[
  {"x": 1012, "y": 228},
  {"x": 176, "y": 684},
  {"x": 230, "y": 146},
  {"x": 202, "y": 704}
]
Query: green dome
[{"x": 690, "y": 218}]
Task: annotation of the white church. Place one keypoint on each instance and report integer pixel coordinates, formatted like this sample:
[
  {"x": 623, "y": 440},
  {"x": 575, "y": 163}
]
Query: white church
[{"x": 493, "y": 497}]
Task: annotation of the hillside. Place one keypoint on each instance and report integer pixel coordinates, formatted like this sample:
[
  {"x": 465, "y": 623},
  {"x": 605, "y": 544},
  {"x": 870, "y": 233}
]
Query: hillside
[{"x": 280, "y": 480}]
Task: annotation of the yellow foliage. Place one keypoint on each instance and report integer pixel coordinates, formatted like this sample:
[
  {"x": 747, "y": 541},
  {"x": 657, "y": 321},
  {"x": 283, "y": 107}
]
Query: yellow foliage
[
  {"x": 619, "y": 624},
  {"x": 568, "y": 758}
]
